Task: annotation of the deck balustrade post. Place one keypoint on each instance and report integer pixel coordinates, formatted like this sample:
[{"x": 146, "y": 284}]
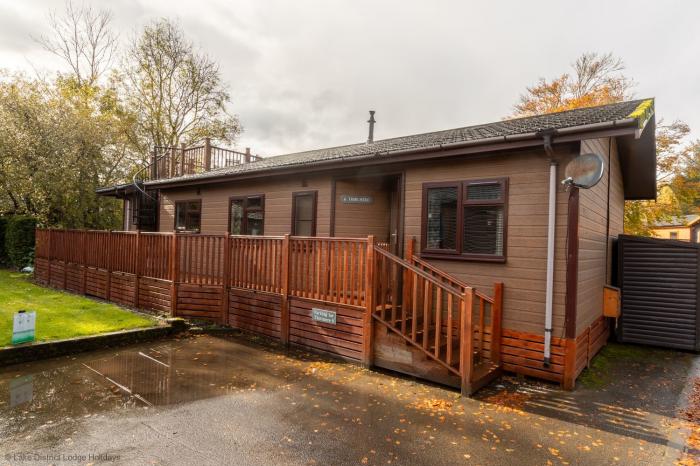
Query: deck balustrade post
[
  {"x": 65, "y": 261},
  {"x": 497, "y": 323},
  {"x": 182, "y": 158},
  {"x": 138, "y": 269},
  {"x": 154, "y": 165},
  {"x": 370, "y": 294},
  {"x": 83, "y": 260},
  {"x": 108, "y": 290},
  {"x": 407, "y": 282},
  {"x": 226, "y": 278},
  {"x": 466, "y": 353},
  {"x": 284, "y": 289},
  {"x": 411, "y": 249},
  {"x": 48, "y": 259},
  {"x": 174, "y": 272},
  {"x": 172, "y": 163},
  {"x": 207, "y": 154}
]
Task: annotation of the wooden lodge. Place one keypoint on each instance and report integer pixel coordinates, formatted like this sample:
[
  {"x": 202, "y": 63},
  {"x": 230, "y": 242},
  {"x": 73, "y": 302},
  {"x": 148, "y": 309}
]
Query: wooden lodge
[{"x": 453, "y": 256}]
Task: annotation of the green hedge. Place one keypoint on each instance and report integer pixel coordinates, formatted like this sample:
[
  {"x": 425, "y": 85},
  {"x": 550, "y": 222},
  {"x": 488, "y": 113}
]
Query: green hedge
[
  {"x": 3, "y": 252},
  {"x": 19, "y": 240}
]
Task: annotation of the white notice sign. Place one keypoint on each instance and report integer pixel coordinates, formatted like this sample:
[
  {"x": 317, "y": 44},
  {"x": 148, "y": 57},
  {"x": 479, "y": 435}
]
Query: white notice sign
[{"x": 23, "y": 327}]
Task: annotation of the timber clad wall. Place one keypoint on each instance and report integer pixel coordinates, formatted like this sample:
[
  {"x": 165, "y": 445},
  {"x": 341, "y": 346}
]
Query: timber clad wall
[
  {"x": 682, "y": 233},
  {"x": 524, "y": 272},
  {"x": 592, "y": 266},
  {"x": 278, "y": 203},
  {"x": 523, "y": 353},
  {"x": 360, "y": 220}
]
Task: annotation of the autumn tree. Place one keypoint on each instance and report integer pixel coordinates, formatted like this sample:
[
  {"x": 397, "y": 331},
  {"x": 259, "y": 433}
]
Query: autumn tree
[
  {"x": 175, "y": 90},
  {"x": 597, "y": 79}
]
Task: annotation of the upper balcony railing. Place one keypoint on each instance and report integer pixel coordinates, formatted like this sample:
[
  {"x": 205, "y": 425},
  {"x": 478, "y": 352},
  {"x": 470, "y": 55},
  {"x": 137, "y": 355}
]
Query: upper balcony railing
[{"x": 171, "y": 162}]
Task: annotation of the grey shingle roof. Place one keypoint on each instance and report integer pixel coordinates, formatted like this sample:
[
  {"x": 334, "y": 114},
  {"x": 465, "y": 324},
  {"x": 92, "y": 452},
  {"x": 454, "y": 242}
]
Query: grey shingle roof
[
  {"x": 512, "y": 127},
  {"x": 682, "y": 221}
]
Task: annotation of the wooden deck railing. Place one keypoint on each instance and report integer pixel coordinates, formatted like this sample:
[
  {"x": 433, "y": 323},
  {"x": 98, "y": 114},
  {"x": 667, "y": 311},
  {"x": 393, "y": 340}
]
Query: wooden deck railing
[
  {"x": 328, "y": 269},
  {"x": 199, "y": 276},
  {"x": 256, "y": 263},
  {"x": 325, "y": 269},
  {"x": 169, "y": 162}
]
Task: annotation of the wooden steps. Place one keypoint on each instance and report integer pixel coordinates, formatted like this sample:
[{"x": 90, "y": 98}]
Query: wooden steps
[{"x": 443, "y": 320}]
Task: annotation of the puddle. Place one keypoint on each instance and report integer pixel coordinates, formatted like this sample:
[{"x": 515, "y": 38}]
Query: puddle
[{"x": 46, "y": 393}]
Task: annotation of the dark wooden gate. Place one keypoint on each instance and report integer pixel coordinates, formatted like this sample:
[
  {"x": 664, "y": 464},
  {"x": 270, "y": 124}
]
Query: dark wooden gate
[{"x": 660, "y": 281}]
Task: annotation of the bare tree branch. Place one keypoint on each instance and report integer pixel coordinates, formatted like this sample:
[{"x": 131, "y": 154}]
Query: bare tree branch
[{"x": 83, "y": 39}]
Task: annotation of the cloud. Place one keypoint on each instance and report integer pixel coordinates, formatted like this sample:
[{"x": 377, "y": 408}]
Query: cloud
[{"x": 303, "y": 74}]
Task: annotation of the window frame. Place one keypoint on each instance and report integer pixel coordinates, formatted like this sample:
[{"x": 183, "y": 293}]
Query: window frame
[
  {"x": 314, "y": 197},
  {"x": 185, "y": 230},
  {"x": 246, "y": 209},
  {"x": 462, "y": 202}
]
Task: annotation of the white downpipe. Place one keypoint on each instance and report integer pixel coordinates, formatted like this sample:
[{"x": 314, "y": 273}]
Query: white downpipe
[{"x": 549, "y": 298}]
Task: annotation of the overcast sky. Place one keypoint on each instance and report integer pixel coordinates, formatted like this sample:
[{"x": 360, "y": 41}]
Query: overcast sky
[{"x": 303, "y": 74}]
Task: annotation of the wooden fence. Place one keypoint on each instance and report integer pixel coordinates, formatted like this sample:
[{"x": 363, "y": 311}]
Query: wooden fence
[{"x": 264, "y": 284}]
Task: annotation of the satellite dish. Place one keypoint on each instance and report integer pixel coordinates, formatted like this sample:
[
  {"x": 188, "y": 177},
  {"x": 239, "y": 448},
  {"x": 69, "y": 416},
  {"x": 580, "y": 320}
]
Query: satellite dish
[{"x": 584, "y": 171}]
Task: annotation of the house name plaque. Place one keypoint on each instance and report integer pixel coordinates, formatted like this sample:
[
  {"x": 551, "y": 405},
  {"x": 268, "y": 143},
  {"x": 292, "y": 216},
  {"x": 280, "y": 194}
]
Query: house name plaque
[
  {"x": 354, "y": 199},
  {"x": 322, "y": 315}
]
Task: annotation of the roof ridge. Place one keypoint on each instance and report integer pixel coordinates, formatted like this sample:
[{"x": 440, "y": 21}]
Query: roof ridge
[
  {"x": 378, "y": 141},
  {"x": 585, "y": 118}
]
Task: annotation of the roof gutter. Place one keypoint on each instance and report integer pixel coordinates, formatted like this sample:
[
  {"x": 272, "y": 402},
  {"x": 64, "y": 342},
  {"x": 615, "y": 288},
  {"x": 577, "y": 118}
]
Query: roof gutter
[{"x": 625, "y": 126}]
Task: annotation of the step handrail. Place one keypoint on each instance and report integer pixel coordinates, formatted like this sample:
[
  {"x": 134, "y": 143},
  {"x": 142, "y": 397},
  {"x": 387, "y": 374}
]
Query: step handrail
[
  {"x": 420, "y": 272},
  {"x": 455, "y": 282}
]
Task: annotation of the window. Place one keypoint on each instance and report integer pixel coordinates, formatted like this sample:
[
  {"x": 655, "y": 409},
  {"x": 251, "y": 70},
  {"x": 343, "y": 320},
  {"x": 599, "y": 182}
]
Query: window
[
  {"x": 304, "y": 213},
  {"x": 673, "y": 235},
  {"x": 247, "y": 215},
  {"x": 188, "y": 216},
  {"x": 465, "y": 220}
]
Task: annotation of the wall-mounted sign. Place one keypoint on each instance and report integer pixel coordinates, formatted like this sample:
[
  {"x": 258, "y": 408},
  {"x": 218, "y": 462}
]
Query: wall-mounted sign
[
  {"x": 322, "y": 315},
  {"x": 23, "y": 327},
  {"x": 355, "y": 199}
]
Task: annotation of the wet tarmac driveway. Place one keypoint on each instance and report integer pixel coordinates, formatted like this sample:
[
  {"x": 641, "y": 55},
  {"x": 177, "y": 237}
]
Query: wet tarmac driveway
[{"x": 230, "y": 400}]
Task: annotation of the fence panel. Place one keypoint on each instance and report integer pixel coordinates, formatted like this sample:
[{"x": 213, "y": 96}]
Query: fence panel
[
  {"x": 328, "y": 269},
  {"x": 256, "y": 263},
  {"x": 123, "y": 252},
  {"x": 201, "y": 259},
  {"x": 155, "y": 252},
  {"x": 41, "y": 248},
  {"x": 97, "y": 246}
]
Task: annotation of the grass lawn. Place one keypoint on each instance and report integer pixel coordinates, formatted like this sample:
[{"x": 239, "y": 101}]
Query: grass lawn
[{"x": 59, "y": 315}]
